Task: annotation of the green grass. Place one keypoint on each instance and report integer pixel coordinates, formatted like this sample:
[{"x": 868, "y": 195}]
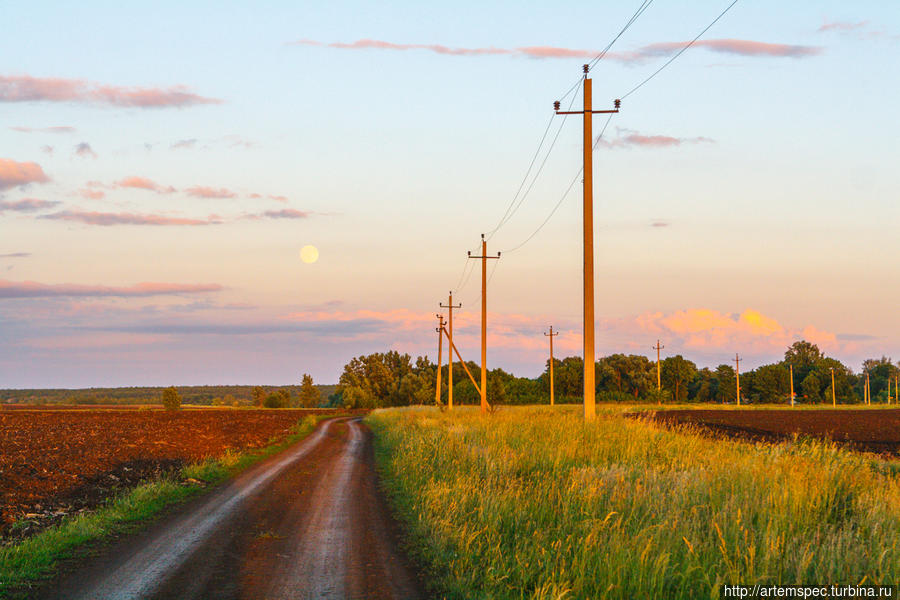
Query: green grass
[
  {"x": 36, "y": 557},
  {"x": 534, "y": 503}
]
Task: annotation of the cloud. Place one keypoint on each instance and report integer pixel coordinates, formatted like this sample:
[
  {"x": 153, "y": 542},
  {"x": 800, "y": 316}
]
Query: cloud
[
  {"x": 660, "y": 223},
  {"x": 629, "y": 139},
  {"x": 199, "y": 191},
  {"x": 92, "y": 194},
  {"x": 642, "y": 54},
  {"x": 26, "y": 205},
  {"x": 14, "y": 174},
  {"x": 841, "y": 26},
  {"x": 32, "y": 289},
  {"x": 47, "y": 149},
  {"x": 24, "y": 88},
  {"x": 16, "y": 255},
  {"x": 124, "y": 218},
  {"x": 286, "y": 213},
  {"x": 84, "y": 150},
  {"x": 57, "y": 129},
  {"x": 278, "y": 198},
  {"x": 182, "y": 144},
  {"x": 142, "y": 183}
]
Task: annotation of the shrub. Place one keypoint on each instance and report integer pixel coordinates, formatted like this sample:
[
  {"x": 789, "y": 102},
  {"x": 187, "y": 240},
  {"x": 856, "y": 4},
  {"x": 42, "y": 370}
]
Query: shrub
[{"x": 170, "y": 399}]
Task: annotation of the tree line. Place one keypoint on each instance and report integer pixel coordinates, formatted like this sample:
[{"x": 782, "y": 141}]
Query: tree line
[{"x": 394, "y": 379}]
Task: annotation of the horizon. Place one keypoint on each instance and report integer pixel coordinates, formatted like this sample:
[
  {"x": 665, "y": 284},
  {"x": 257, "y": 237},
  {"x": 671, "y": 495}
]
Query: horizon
[{"x": 160, "y": 186}]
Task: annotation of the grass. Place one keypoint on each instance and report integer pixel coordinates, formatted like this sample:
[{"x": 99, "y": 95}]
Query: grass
[
  {"x": 534, "y": 503},
  {"x": 35, "y": 558}
]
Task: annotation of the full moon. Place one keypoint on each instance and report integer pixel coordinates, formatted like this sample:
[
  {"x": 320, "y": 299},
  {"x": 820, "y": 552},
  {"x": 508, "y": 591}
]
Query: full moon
[{"x": 309, "y": 254}]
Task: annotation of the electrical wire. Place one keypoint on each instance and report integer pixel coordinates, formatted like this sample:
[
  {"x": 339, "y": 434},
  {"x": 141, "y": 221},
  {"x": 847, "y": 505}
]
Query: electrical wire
[
  {"x": 565, "y": 194},
  {"x": 680, "y": 52}
]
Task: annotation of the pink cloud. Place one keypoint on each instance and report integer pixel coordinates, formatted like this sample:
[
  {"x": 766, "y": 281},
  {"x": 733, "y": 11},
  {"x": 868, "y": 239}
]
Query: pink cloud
[
  {"x": 279, "y": 198},
  {"x": 26, "y": 205},
  {"x": 730, "y": 46},
  {"x": 33, "y": 289},
  {"x": 142, "y": 183},
  {"x": 92, "y": 194},
  {"x": 841, "y": 26},
  {"x": 286, "y": 213},
  {"x": 24, "y": 88},
  {"x": 123, "y": 218},
  {"x": 628, "y": 138},
  {"x": 207, "y": 192},
  {"x": 14, "y": 174},
  {"x": 58, "y": 129}
]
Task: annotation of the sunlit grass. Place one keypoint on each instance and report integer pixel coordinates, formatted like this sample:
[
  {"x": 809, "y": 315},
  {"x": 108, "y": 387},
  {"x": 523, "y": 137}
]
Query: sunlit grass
[{"x": 534, "y": 503}]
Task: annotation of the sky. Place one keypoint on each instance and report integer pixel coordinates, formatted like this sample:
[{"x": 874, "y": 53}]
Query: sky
[{"x": 162, "y": 165}]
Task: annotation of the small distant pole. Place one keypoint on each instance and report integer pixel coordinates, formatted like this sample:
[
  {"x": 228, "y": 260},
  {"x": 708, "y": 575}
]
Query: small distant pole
[
  {"x": 792, "y": 383},
  {"x": 658, "y": 377},
  {"x": 484, "y": 258},
  {"x": 440, "y": 330},
  {"x": 868, "y": 389},
  {"x": 450, "y": 306},
  {"x": 833, "y": 400},
  {"x": 551, "y": 335},
  {"x": 737, "y": 377}
]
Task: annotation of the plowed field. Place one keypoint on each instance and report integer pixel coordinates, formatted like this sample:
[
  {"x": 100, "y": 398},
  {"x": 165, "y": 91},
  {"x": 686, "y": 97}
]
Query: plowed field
[
  {"x": 64, "y": 461},
  {"x": 874, "y": 430}
]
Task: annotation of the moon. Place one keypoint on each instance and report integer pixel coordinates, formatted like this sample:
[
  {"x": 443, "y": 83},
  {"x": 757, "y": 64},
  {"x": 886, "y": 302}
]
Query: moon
[{"x": 309, "y": 254}]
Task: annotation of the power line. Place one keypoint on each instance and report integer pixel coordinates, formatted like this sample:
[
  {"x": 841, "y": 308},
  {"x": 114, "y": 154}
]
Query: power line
[
  {"x": 644, "y": 6},
  {"x": 536, "y": 175},
  {"x": 680, "y": 52},
  {"x": 565, "y": 194}
]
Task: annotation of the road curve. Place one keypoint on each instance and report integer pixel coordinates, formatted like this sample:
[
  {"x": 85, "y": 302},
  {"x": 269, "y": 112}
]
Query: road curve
[{"x": 307, "y": 523}]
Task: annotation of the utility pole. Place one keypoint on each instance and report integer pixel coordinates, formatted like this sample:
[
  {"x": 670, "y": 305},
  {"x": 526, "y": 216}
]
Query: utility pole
[
  {"x": 833, "y": 400},
  {"x": 737, "y": 377},
  {"x": 868, "y": 390},
  {"x": 440, "y": 330},
  {"x": 450, "y": 307},
  {"x": 551, "y": 335},
  {"x": 658, "y": 377},
  {"x": 792, "y": 383},
  {"x": 484, "y": 258},
  {"x": 590, "y": 410}
]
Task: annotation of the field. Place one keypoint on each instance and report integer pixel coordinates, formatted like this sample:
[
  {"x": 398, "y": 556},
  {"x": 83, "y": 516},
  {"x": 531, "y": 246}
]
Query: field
[
  {"x": 534, "y": 503},
  {"x": 54, "y": 463},
  {"x": 873, "y": 430}
]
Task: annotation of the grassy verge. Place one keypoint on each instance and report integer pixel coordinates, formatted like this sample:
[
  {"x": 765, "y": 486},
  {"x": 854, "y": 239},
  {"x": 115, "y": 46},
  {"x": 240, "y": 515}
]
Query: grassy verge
[
  {"x": 534, "y": 503},
  {"x": 36, "y": 557}
]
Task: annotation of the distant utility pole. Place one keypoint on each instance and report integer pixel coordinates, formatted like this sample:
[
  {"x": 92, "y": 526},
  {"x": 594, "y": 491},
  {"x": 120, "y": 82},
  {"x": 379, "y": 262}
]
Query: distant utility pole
[
  {"x": 551, "y": 335},
  {"x": 833, "y": 400},
  {"x": 590, "y": 410},
  {"x": 868, "y": 389},
  {"x": 450, "y": 307},
  {"x": 484, "y": 258},
  {"x": 440, "y": 330},
  {"x": 737, "y": 377},
  {"x": 658, "y": 377},
  {"x": 792, "y": 383}
]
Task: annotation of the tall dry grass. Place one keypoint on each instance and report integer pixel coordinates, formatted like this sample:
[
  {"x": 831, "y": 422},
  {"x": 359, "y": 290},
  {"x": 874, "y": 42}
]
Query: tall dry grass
[{"x": 534, "y": 503}]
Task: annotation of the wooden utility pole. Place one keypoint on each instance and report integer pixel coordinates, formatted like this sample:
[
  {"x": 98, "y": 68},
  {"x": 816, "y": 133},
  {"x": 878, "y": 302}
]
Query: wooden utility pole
[
  {"x": 551, "y": 335},
  {"x": 484, "y": 258},
  {"x": 868, "y": 390},
  {"x": 833, "y": 397},
  {"x": 440, "y": 330},
  {"x": 792, "y": 383},
  {"x": 737, "y": 377},
  {"x": 590, "y": 410},
  {"x": 658, "y": 376},
  {"x": 450, "y": 308}
]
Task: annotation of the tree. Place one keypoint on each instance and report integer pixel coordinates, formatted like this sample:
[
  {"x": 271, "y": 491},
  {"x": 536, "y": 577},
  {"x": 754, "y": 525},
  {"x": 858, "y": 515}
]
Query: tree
[
  {"x": 726, "y": 389},
  {"x": 309, "y": 393},
  {"x": 278, "y": 399},
  {"x": 676, "y": 372},
  {"x": 811, "y": 388},
  {"x": 171, "y": 400},
  {"x": 259, "y": 395},
  {"x": 769, "y": 384}
]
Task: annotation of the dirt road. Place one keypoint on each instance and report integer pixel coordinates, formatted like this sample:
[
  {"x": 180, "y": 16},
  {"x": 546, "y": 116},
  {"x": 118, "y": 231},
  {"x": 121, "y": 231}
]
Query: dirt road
[{"x": 307, "y": 523}]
